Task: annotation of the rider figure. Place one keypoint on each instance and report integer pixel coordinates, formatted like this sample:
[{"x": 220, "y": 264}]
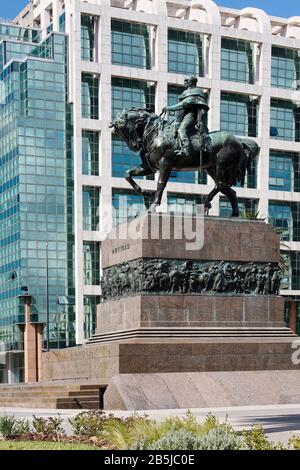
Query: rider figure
[{"x": 193, "y": 106}]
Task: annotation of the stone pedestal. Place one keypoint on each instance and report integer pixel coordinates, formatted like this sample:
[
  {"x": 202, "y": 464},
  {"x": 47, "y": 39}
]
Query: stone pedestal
[
  {"x": 164, "y": 286},
  {"x": 162, "y": 319}
]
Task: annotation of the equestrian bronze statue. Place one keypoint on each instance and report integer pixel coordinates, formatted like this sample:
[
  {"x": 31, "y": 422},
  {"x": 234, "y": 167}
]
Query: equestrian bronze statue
[{"x": 184, "y": 145}]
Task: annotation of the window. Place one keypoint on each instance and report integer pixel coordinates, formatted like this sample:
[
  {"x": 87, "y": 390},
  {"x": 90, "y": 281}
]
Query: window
[
  {"x": 284, "y": 171},
  {"x": 285, "y": 217},
  {"x": 123, "y": 159},
  {"x": 126, "y": 205},
  {"x": 50, "y": 28},
  {"x": 237, "y": 61},
  {"x": 88, "y": 26},
  {"x": 90, "y": 304},
  {"x": 185, "y": 52},
  {"x": 62, "y": 23},
  {"x": 247, "y": 207},
  {"x": 285, "y": 117},
  {"x": 285, "y": 68},
  {"x": 90, "y": 153},
  {"x": 128, "y": 93},
  {"x": 239, "y": 114},
  {"x": 130, "y": 44},
  {"x": 91, "y": 260},
  {"x": 184, "y": 204},
  {"x": 291, "y": 277},
  {"x": 90, "y": 208},
  {"x": 90, "y": 96},
  {"x": 174, "y": 92}
]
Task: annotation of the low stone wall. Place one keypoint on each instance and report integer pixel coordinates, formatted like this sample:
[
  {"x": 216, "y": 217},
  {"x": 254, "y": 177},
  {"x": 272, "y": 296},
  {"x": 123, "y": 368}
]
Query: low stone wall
[{"x": 101, "y": 362}]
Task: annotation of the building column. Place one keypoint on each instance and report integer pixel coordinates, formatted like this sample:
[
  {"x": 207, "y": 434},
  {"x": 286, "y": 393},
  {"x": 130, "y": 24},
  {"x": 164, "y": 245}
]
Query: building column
[
  {"x": 213, "y": 71},
  {"x": 293, "y": 317},
  {"x": 10, "y": 368},
  {"x": 75, "y": 58},
  {"x": 32, "y": 346},
  {"x": 57, "y": 11}
]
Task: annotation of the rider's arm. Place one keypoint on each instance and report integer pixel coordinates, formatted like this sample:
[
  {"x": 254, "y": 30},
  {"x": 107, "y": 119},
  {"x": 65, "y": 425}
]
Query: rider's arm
[{"x": 176, "y": 107}]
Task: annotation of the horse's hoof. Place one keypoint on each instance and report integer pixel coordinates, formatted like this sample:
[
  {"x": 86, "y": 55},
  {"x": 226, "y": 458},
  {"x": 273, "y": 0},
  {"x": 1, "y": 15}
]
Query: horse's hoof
[
  {"x": 235, "y": 214},
  {"x": 153, "y": 208},
  {"x": 207, "y": 205}
]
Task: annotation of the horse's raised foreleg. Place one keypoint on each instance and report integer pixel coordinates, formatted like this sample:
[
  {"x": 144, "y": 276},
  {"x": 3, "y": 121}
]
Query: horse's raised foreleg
[
  {"x": 165, "y": 168},
  {"x": 140, "y": 171}
]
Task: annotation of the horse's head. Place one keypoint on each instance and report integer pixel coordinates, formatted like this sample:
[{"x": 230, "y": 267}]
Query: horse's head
[{"x": 130, "y": 124}]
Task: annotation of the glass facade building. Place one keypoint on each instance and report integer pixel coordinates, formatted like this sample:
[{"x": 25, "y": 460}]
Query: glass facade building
[{"x": 35, "y": 158}]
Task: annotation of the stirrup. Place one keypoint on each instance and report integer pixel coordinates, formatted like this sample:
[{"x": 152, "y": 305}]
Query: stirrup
[{"x": 182, "y": 153}]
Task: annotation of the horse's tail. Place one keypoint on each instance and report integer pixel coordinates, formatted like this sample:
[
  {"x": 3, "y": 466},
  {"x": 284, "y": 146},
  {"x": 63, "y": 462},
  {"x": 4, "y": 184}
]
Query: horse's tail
[{"x": 251, "y": 150}]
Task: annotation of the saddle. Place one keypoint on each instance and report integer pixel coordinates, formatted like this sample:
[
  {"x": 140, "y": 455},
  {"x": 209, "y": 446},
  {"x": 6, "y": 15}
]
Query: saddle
[{"x": 206, "y": 145}]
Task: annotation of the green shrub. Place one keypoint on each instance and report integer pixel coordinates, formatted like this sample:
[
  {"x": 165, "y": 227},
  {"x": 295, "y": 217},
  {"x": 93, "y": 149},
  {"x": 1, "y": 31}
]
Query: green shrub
[
  {"x": 255, "y": 439},
  {"x": 7, "y": 424},
  {"x": 294, "y": 443},
  {"x": 10, "y": 426},
  {"x": 88, "y": 423},
  {"x": 21, "y": 427},
  {"x": 220, "y": 438},
  {"x": 52, "y": 426},
  {"x": 140, "y": 432},
  {"x": 174, "y": 440}
]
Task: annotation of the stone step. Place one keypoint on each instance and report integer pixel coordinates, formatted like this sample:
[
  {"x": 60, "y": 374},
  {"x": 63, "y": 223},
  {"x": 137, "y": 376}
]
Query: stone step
[
  {"x": 82, "y": 398},
  {"x": 62, "y": 393},
  {"x": 70, "y": 396},
  {"x": 193, "y": 333},
  {"x": 92, "y": 405},
  {"x": 19, "y": 403},
  {"x": 27, "y": 395},
  {"x": 32, "y": 389},
  {"x": 90, "y": 387},
  {"x": 78, "y": 402},
  {"x": 84, "y": 393}
]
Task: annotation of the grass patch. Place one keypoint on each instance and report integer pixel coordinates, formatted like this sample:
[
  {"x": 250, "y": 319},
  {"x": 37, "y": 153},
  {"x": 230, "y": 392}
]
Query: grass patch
[{"x": 43, "y": 445}]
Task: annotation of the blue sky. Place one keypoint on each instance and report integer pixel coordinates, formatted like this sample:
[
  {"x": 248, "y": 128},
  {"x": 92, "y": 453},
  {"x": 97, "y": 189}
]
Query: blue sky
[{"x": 286, "y": 8}]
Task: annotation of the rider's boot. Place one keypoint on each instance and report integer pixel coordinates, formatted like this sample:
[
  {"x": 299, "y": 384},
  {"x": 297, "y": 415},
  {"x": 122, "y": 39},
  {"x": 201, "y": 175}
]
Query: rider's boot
[{"x": 184, "y": 151}]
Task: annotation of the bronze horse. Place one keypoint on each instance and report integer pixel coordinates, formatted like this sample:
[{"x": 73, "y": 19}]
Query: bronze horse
[{"x": 226, "y": 161}]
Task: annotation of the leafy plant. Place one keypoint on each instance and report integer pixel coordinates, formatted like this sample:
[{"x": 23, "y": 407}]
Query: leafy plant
[
  {"x": 88, "y": 423},
  {"x": 294, "y": 443},
  {"x": 7, "y": 424},
  {"x": 143, "y": 433},
  {"x": 176, "y": 440},
  {"x": 21, "y": 427},
  {"x": 188, "y": 434},
  {"x": 52, "y": 426},
  {"x": 220, "y": 438},
  {"x": 249, "y": 214},
  {"x": 255, "y": 439}
]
